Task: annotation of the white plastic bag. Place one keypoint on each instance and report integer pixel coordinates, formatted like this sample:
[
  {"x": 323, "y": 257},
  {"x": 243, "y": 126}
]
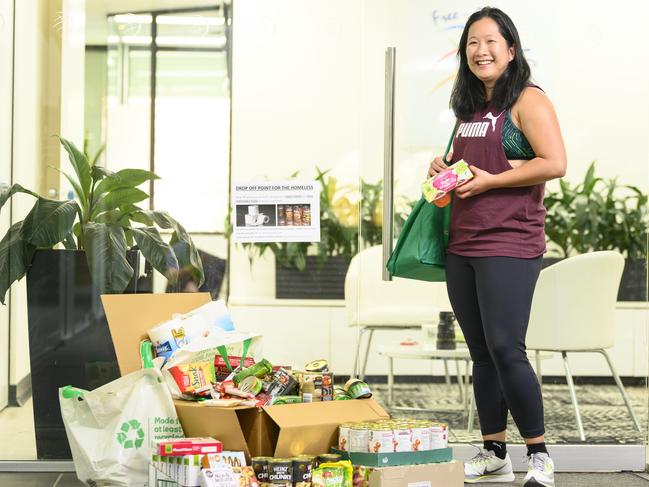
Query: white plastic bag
[{"x": 111, "y": 430}]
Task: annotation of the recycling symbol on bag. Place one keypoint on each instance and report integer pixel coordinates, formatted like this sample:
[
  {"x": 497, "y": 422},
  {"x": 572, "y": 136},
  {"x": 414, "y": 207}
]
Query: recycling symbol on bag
[{"x": 131, "y": 434}]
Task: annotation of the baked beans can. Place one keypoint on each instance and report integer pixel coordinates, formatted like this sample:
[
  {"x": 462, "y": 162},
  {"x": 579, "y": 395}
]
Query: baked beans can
[
  {"x": 359, "y": 438},
  {"x": 438, "y": 435},
  {"x": 381, "y": 439},
  {"x": 280, "y": 472},
  {"x": 260, "y": 467},
  {"x": 302, "y": 468},
  {"x": 402, "y": 438},
  {"x": 420, "y": 434},
  {"x": 343, "y": 436}
]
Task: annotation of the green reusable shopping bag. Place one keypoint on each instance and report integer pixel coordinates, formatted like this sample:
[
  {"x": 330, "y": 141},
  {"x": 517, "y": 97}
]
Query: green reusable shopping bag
[{"x": 420, "y": 252}]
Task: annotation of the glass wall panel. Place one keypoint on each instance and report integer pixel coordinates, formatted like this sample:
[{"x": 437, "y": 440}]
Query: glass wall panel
[{"x": 599, "y": 200}]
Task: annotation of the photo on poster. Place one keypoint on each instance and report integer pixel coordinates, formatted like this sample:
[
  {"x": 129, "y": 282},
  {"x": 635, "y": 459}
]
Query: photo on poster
[
  {"x": 256, "y": 215},
  {"x": 291, "y": 215}
]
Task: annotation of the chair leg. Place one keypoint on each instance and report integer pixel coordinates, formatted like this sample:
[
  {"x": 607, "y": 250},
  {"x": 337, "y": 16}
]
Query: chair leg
[
  {"x": 539, "y": 375},
  {"x": 573, "y": 396},
  {"x": 620, "y": 386},
  {"x": 367, "y": 353},
  {"x": 359, "y": 341},
  {"x": 472, "y": 409}
]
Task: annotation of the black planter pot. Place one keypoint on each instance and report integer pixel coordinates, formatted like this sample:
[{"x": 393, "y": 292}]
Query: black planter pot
[
  {"x": 326, "y": 282},
  {"x": 69, "y": 339},
  {"x": 633, "y": 286}
]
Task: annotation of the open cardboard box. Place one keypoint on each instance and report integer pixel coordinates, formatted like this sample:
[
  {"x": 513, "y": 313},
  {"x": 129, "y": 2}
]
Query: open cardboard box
[{"x": 280, "y": 431}]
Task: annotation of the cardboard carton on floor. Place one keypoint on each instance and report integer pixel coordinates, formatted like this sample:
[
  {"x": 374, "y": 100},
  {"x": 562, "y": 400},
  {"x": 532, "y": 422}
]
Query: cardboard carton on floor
[
  {"x": 280, "y": 431},
  {"x": 450, "y": 474}
]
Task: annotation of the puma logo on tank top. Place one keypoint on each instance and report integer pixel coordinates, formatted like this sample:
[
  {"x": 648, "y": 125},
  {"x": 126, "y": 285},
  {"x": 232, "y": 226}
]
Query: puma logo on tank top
[{"x": 478, "y": 129}]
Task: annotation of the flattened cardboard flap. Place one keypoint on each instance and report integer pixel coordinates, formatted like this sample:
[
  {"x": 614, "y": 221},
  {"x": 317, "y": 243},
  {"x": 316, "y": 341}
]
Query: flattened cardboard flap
[{"x": 131, "y": 315}]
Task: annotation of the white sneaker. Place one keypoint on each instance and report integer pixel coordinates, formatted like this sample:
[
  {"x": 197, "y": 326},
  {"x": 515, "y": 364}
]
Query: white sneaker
[
  {"x": 487, "y": 467},
  {"x": 540, "y": 471}
]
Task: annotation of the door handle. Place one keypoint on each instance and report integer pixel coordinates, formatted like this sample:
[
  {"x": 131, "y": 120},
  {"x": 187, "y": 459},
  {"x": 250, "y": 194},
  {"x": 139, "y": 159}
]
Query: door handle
[{"x": 388, "y": 161}]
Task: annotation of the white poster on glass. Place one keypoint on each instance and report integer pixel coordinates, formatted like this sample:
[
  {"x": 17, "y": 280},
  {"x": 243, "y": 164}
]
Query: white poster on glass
[{"x": 284, "y": 211}]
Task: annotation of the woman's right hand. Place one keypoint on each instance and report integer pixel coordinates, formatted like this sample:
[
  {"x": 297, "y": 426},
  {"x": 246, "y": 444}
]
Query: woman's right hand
[{"x": 438, "y": 165}]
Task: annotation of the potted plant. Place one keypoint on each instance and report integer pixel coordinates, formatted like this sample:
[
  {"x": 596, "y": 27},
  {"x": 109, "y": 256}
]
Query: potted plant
[
  {"x": 102, "y": 232},
  {"x": 601, "y": 214}
]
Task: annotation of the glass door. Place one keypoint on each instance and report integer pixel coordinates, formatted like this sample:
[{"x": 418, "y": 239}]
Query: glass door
[{"x": 425, "y": 36}]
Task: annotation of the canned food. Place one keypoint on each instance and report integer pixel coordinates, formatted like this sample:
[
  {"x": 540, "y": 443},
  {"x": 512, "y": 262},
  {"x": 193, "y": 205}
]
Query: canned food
[
  {"x": 281, "y": 215},
  {"x": 289, "y": 215},
  {"x": 320, "y": 365},
  {"x": 381, "y": 439},
  {"x": 280, "y": 472},
  {"x": 402, "y": 438},
  {"x": 359, "y": 439},
  {"x": 438, "y": 436},
  {"x": 343, "y": 436},
  {"x": 302, "y": 467},
  {"x": 357, "y": 389},
  {"x": 260, "y": 466},
  {"x": 420, "y": 434}
]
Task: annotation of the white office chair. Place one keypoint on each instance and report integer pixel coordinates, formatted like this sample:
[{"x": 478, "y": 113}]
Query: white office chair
[
  {"x": 573, "y": 310},
  {"x": 373, "y": 304}
]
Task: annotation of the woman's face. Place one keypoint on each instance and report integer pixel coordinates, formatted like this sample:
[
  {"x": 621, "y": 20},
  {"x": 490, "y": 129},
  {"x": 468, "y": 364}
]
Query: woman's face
[{"x": 486, "y": 50}]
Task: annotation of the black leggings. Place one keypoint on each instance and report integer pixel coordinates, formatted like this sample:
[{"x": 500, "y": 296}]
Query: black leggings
[{"x": 491, "y": 298}]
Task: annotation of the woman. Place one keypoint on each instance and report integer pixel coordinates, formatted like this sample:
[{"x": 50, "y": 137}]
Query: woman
[{"x": 509, "y": 134}]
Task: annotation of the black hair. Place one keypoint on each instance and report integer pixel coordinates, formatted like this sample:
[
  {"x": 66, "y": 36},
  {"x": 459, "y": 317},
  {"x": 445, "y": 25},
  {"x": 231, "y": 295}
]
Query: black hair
[{"x": 468, "y": 95}]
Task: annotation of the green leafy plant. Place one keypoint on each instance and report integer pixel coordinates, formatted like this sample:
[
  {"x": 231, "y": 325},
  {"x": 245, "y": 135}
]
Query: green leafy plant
[
  {"x": 597, "y": 214},
  {"x": 101, "y": 221}
]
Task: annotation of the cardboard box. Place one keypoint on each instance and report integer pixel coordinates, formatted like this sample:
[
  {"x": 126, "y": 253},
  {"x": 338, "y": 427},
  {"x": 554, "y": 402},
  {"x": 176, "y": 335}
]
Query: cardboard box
[
  {"x": 450, "y": 474},
  {"x": 398, "y": 458},
  {"x": 280, "y": 431}
]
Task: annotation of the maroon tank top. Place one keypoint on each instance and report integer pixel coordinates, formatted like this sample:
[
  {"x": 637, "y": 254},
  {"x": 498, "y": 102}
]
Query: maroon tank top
[{"x": 505, "y": 222}]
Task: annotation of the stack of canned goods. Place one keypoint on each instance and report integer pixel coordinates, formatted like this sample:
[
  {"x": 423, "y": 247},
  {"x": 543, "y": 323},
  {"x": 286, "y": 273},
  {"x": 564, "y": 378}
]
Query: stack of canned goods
[
  {"x": 392, "y": 435},
  {"x": 289, "y": 472}
]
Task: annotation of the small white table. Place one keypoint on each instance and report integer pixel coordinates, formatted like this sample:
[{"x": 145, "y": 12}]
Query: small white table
[{"x": 419, "y": 353}]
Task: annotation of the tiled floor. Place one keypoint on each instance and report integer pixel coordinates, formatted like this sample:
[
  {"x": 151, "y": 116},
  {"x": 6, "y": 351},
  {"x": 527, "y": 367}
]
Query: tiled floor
[{"x": 563, "y": 480}]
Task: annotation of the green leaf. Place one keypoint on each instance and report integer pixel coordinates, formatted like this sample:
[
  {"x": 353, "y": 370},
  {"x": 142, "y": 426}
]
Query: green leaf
[
  {"x": 116, "y": 198},
  {"x": 99, "y": 173},
  {"x": 126, "y": 178},
  {"x": 7, "y": 191},
  {"x": 80, "y": 165},
  {"x": 156, "y": 251},
  {"x": 49, "y": 222},
  {"x": 106, "y": 252},
  {"x": 100, "y": 151},
  {"x": 15, "y": 258},
  {"x": 181, "y": 243},
  {"x": 77, "y": 189}
]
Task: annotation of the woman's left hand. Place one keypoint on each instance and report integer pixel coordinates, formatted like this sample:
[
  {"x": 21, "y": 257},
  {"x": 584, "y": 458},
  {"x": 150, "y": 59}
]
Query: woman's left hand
[{"x": 482, "y": 181}]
